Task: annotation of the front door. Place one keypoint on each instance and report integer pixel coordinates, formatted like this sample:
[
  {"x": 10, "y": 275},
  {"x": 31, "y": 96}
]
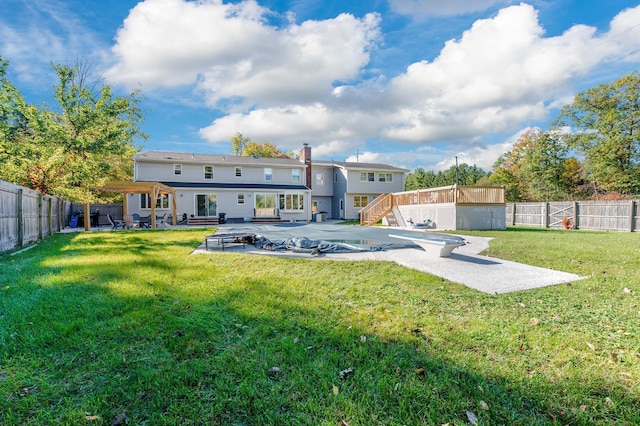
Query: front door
[{"x": 265, "y": 204}]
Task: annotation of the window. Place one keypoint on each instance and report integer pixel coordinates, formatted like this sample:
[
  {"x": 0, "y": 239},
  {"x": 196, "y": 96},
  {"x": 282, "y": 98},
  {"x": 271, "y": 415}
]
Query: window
[
  {"x": 177, "y": 169},
  {"x": 295, "y": 175},
  {"x": 206, "y": 205},
  {"x": 360, "y": 200},
  {"x": 208, "y": 172},
  {"x": 367, "y": 177},
  {"x": 294, "y": 201},
  {"x": 319, "y": 179},
  {"x": 335, "y": 177},
  {"x": 161, "y": 203},
  {"x": 268, "y": 174},
  {"x": 238, "y": 171},
  {"x": 385, "y": 177},
  {"x": 240, "y": 198}
]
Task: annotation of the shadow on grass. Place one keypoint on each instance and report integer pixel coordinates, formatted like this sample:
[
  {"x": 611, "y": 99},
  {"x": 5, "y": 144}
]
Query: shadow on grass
[{"x": 129, "y": 326}]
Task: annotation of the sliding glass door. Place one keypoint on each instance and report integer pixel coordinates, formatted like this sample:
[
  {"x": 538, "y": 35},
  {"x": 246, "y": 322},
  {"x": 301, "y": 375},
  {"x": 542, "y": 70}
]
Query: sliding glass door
[{"x": 206, "y": 205}]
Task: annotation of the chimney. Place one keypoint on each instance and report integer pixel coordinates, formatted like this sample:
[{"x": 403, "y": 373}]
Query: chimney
[{"x": 305, "y": 157}]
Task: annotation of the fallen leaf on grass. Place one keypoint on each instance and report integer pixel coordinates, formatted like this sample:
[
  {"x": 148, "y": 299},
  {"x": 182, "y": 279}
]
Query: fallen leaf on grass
[
  {"x": 335, "y": 390},
  {"x": 591, "y": 346},
  {"x": 343, "y": 423},
  {"x": 626, "y": 290},
  {"x": 346, "y": 373},
  {"x": 583, "y": 408},
  {"x": 420, "y": 372},
  {"x": 91, "y": 418},
  {"x": 609, "y": 402},
  {"x": 484, "y": 405},
  {"x": 472, "y": 418},
  {"x": 534, "y": 321}
]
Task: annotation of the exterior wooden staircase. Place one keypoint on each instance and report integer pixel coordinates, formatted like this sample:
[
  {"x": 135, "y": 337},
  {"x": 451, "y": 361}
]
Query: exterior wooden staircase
[{"x": 376, "y": 210}]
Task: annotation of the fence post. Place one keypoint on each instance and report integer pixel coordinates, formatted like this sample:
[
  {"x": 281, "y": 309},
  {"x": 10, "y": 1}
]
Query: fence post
[
  {"x": 631, "y": 214},
  {"x": 575, "y": 214},
  {"x": 513, "y": 215},
  {"x": 545, "y": 215},
  {"x": 20, "y": 217},
  {"x": 40, "y": 231},
  {"x": 50, "y": 216}
]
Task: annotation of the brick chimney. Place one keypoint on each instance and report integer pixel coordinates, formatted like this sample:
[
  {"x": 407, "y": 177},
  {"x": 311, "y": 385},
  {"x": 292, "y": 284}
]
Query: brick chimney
[{"x": 305, "y": 157}]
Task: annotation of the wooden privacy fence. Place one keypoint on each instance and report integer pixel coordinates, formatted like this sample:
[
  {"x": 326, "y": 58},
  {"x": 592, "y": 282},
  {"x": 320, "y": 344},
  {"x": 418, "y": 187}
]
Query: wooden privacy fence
[
  {"x": 592, "y": 215},
  {"x": 27, "y": 215}
]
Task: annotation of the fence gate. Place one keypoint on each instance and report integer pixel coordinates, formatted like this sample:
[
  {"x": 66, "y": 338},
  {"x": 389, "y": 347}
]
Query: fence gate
[{"x": 558, "y": 211}]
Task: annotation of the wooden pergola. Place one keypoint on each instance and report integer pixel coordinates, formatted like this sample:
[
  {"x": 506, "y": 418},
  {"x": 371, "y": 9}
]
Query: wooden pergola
[{"x": 153, "y": 189}]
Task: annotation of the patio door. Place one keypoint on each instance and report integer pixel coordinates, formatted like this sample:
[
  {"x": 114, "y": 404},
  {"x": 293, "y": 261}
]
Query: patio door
[
  {"x": 206, "y": 205},
  {"x": 265, "y": 204}
]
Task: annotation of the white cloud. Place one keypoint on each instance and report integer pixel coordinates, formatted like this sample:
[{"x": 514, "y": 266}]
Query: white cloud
[
  {"x": 231, "y": 52},
  {"x": 303, "y": 82}
]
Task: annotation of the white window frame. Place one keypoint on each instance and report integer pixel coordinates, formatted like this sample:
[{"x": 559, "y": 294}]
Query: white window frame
[
  {"x": 161, "y": 203},
  {"x": 367, "y": 177},
  {"x": 240, "y": 199},
  {"x": 319, "y": 179},
  {"x": 291, "y": 201},
  {"x": 238, "y": 171},
  {"x": 295, "y": 175},
  {"x": 177, "y": 169},
  {"x": 385, "y": 177},
  {"x": 268, "y": 174},
  {"x": 205, "y": 172},
  {"x": 360, "y": 201}
]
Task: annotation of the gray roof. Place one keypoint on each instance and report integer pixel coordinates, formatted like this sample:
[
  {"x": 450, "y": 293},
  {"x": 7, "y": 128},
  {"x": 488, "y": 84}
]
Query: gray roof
[
  {"x": 361, "y": 166},
  {"x": 186, "y": 158}
]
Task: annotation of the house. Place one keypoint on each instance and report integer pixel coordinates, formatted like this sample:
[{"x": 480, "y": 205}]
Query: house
[{"x": 239, "y": 189}]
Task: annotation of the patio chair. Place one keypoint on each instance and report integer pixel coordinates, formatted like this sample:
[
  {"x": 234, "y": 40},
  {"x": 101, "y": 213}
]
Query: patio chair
[
  {"x": 161, "y": 221},
  {"x": 129, "y": 223},
  {"x": 143, "y": 222},
  {"x": 115, "y": 224}
]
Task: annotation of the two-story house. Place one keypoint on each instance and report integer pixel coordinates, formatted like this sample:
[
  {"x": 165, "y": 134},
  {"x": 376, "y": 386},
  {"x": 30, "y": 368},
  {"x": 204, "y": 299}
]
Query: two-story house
[{"x": 247, "y": 188}]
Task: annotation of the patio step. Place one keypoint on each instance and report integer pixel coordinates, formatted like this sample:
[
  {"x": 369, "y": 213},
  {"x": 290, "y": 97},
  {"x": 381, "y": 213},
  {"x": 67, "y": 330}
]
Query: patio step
[{"x": 200, "y": 221}]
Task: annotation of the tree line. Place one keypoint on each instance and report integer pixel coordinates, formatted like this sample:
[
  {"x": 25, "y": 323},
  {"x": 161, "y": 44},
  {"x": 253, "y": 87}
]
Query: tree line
[{"x": 590, "y": 151}]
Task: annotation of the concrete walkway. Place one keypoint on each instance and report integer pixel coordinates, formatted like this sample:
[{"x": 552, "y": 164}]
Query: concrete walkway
[{"x": 465, "y": 266}]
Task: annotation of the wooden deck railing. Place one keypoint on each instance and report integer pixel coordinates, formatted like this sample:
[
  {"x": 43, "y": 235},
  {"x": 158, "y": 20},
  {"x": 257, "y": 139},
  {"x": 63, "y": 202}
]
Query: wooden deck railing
[
  {"x": 376, "y": 210},
  {"x": 455, "y": 194}
]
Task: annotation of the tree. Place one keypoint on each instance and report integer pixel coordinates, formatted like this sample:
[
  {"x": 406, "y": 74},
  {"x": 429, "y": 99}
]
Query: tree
[
  {"x": 606, "y": 129},
  {"x": 421, "y": 179},
  {"x": 537, "y": 168},
  {"x": 238, "y": 143},
  {"x": 85, "y": 142}
]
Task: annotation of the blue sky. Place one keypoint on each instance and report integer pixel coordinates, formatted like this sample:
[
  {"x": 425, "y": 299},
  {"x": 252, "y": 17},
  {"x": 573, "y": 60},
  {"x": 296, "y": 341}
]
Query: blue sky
[{"x": 412, "y": 83}]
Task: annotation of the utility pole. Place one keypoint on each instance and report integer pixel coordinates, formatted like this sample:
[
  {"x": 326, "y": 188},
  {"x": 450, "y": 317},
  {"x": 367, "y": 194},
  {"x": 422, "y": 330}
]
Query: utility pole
[{"x": 457, "y": 176}]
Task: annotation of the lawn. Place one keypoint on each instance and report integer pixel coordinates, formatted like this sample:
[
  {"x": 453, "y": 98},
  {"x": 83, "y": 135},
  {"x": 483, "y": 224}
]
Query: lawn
[{"x": 128, "y": 328}]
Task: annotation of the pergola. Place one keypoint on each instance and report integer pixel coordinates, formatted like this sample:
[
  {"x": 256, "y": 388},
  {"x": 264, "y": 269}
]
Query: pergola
[{"x": 153, "y": 189}]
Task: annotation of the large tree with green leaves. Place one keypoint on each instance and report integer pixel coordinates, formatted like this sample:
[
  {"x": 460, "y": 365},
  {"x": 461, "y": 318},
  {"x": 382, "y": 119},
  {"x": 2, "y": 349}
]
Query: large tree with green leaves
[
  {"x": 537, "y": 168},
  {"x": 605, "y": 123},
  {"x": 87, "y": 140}
]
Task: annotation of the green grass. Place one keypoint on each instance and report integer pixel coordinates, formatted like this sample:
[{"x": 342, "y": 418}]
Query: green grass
[{"x": 127, "y": 327}]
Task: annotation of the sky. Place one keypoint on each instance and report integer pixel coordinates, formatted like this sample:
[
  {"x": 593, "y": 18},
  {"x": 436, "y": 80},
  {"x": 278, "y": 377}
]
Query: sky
[{"x": 410, "y": 83}]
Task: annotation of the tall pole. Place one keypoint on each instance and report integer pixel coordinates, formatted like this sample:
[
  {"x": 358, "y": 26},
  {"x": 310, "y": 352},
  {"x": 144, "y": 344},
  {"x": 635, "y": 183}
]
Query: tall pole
[{"x": 457, "y": 170}]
